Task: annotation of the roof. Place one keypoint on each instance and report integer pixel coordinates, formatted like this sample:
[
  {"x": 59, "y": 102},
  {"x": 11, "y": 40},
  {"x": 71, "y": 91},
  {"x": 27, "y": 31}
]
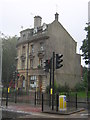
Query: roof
[{"x": 37, "y": 17}]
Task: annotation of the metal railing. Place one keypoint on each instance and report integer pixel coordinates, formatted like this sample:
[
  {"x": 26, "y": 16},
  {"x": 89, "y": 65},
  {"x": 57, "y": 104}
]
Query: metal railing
[{"x": 73, "y": 101}]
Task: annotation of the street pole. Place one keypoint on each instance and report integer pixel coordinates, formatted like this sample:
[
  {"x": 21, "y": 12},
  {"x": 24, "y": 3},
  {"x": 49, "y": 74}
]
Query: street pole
[
  {"x": 27, "y": 68},
  {"x": 0, "y": 68},
  {"x": 50, "y": 81},
  {"x": 53, "y": 82},
  {"x": 50, "y": 71},
  {"x": 7, "y": 90},
  {"x": 16, "y": 86}
]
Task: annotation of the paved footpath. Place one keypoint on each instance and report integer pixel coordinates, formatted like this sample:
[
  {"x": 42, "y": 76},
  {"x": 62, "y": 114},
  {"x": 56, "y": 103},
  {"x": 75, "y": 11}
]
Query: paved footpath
[
  {"x": 22, "y": 107},
  {"x": 35, "y": 111}
]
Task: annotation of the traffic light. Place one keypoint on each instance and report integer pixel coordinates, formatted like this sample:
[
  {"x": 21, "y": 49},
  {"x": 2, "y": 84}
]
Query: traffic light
[
  {"x": 59, "y": 61},
  {"x": 46, "y": 65}
]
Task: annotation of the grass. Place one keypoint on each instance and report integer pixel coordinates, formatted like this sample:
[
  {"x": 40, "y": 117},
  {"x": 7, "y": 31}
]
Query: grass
[{"x": 81, "y": 94}]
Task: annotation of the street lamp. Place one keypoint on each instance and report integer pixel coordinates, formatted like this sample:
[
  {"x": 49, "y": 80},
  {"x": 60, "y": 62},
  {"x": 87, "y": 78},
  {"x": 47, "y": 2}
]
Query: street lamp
[
  {"x": 2, "y": 36},
  {"x": 0, "y": 72}
]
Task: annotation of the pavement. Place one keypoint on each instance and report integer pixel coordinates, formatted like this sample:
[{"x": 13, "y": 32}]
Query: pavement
[
  {"x": 32, "y": 111},
  {"x": 25, "y": 108}
]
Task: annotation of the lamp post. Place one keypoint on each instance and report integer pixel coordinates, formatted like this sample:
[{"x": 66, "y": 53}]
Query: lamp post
[
  {"x": 0, "y": 73},
  {"x": 0, "y": 66},
  {"x": 2, "y": 36},
  {"x": 53, "y": 82}
]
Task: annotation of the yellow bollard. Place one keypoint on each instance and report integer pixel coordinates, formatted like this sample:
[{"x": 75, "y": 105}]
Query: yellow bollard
[
  {"x": 8, "y": 89},
  {"x": 62, "y": 103},
  {"x": 51, "y": 91}
]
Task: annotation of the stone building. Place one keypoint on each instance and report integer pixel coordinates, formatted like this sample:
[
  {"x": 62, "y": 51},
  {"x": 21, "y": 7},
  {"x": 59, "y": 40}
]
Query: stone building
[{"x": 38, "y": 44}]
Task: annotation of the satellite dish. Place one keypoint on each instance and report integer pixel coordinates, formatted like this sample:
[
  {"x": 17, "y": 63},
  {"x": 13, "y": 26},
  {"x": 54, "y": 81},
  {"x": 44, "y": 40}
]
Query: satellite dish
[{"x": 44, "y": 26}]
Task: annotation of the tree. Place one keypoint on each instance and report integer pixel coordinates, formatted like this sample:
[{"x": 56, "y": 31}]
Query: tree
[
  {"x": 85, "y": 46},
  {"x": 86, "y": 52},
  {"x": 8, "y": 58},
  {"x": 85, "y": 79}
]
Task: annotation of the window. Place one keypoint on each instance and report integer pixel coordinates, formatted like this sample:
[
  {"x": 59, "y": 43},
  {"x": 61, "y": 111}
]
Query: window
[
  {"x": 31, "y": 63},
  {"x": 23, "y": 49},
  {"x": 35, "y": 30},
  {"x": 23, "y": 46},
  {"x": 23, "y": 83},
  {"x": 32, "y": 48},
  {"x": 40, "y": 62},
  {"x": 41, "y": 46},
  {"x": 23, "y": 64},
  {"x": 23, "y": 35},
  {"x": 33, "y": 80}
]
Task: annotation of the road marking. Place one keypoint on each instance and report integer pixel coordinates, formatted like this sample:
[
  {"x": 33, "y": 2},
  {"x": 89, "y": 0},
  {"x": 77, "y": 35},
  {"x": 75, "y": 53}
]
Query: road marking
[
  {"x": 9, "y": 110},
  {"x": 84, "y": 114}
]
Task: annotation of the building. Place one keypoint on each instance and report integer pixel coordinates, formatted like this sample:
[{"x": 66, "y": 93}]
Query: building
[{"x": 38, "y": 44}]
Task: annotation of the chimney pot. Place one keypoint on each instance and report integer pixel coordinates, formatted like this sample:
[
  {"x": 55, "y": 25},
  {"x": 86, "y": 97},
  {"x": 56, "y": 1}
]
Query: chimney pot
[{"x": 56, "y": 16}]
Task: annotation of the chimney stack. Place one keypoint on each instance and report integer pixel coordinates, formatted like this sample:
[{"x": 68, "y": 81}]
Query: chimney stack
[
  {"x": 37, "y": 21},
  {"x": 56, "y": 16}
]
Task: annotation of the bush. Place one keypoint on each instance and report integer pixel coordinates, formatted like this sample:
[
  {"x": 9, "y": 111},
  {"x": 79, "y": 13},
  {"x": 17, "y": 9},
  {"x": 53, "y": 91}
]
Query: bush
[
  {"x": 47, "y": 89},
  {"x": 79, "y": 87},
  {"x": 58, "y": 88}
]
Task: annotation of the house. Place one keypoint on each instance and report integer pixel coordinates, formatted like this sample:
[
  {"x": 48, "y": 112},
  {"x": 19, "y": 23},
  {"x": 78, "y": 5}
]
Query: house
[{"x": 37, "y": 45}]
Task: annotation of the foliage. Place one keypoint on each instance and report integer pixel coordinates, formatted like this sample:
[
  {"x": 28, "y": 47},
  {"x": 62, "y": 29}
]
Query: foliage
[
  {"x": 64, "y": 88},
  {"x": 55, "y": 86},
  {"x": 85, "y": 46},
  {"x": 58, "y": 88},
  {"x": 79, "y": 87},
  {"x": 85, "y": 79},
  {"x": 47, "y": 89},
  {"x": 84, "y": 69},
  {"x": 82, "y": 94},
  {"x": 84, "y": 84},
  {"x": 8, "y": 58}
]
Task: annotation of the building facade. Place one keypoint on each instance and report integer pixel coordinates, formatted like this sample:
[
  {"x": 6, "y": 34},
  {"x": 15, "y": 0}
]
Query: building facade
[{"x": 38, "y": 44}]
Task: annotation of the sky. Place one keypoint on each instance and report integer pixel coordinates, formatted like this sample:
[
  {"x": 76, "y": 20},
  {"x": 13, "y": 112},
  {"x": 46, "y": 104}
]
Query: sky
[{"x": 73, "y": 15}]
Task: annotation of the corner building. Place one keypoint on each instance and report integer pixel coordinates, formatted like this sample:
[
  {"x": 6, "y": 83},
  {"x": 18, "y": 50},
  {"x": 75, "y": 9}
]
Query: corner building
[{"x": 38, "y": 44}]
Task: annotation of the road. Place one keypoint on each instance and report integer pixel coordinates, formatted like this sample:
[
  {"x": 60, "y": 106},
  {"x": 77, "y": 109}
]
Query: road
[
  {"x": 20, "y": 114},
  {"x": 11, "y": 114},
  {"x": 19, "y": 110}
]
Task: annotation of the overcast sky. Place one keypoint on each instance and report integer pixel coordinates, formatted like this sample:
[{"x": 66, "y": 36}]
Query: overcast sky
[{"x": 73, "y": 15}]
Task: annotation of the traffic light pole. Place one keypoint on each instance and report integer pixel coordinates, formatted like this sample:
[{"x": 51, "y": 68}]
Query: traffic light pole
[
  {"x": 7, "y": 91},
  {"x": 7, "y": 96},
  {"x": 16, "y": 87},
  {"x": 53, "y": 82},
  {"x": 27, "y": 68},
  {"x": 50, "y": 81},
  {"x": 50, "y": 71}
]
